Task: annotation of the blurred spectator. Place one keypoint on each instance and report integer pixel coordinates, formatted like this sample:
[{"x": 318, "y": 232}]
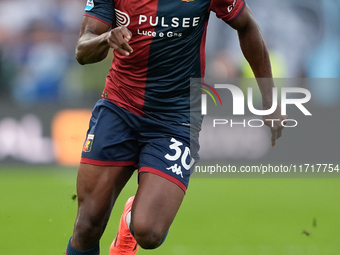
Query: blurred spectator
[
  {"x": 41, "y": 43},
  {"x": 324, "y": 62},
  {"x": 7, "y": 66},
  {"x": 2, "y": 83},
  {"x": 289, "y": 29},
  {"x": 44, "y": 63}
]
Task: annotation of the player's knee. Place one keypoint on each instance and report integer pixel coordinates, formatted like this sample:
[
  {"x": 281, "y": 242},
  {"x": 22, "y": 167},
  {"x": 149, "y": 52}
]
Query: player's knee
[
  {"x": 87, "y": 227},
  {"x": 148, "y": 237}
]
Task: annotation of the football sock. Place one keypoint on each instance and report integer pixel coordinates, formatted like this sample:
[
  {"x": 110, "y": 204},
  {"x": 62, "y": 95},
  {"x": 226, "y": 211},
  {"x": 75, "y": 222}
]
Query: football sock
[{"x": 73, "y": 251}]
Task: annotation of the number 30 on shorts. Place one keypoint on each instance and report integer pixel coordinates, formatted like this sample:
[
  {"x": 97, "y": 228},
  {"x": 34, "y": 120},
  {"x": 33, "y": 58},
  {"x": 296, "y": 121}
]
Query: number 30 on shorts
[{"x": 176, "y": 146}]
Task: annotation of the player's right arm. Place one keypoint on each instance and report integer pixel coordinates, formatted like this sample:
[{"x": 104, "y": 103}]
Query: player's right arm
[
  {"x": 238, "y": 15},
  {"x": 96, "y": 38}
]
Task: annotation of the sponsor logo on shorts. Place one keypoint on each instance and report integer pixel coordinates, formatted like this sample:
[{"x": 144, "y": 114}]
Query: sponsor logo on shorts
[
  {"x": 88, "y": 143},
  {"x": 176, "y": 169}
]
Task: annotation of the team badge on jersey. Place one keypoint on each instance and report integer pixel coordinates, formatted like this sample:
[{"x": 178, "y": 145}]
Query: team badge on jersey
[
  {"x": 88, "y": 143},
  {"x": 89, "y": 5}
]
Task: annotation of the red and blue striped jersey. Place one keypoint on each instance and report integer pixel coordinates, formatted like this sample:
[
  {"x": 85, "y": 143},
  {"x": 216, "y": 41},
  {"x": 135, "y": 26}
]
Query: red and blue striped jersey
[{"x": 168, "y": 39}]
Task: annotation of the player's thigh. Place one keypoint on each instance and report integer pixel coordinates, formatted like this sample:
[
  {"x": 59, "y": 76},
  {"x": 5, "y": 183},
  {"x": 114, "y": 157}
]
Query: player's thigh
[
  {"x": 155, "y": 206},
  {"x": 165, "y": 161},
  {"x": 98, "y": 187}
]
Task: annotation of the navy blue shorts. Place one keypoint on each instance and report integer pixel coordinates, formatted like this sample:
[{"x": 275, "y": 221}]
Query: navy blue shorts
[{"x": 118, "y": 137}]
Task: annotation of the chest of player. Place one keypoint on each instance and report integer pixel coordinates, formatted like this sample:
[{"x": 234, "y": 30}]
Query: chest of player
[{"x": 161, "y": 18}]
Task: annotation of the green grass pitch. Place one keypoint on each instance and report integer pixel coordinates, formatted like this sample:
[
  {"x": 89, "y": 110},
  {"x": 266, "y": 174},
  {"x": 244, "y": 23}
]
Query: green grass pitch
[{"x": 218, "y": 216}]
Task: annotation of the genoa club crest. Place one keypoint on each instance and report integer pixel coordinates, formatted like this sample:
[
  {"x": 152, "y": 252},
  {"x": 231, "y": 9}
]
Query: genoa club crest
[{"x": 88, "y": 143}]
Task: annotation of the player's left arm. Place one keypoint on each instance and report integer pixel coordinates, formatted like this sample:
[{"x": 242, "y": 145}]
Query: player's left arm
[{"x": 255, "y": 51}]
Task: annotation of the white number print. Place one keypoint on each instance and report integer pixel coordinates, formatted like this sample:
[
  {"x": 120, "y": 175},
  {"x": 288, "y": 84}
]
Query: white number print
[
  {"x": 184, "y": 157},
  {"x": 178, "y": 152},
  {"x": 174, "y": 146}
]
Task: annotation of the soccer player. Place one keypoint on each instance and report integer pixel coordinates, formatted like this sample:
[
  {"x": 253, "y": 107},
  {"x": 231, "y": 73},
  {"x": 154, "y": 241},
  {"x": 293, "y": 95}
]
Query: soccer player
[{"x": 143, "y": 119}]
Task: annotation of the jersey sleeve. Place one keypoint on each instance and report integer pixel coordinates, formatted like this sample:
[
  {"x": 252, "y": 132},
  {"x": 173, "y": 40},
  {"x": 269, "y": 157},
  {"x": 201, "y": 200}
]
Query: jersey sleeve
[
  {"x": 228, "y": 10},
  {"x": 102, "y": 10}
]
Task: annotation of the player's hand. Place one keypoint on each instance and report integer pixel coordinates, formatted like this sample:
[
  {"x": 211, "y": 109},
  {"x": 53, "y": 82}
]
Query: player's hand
[
  {"x": 118, "y": 39},
  {"x": 274, "y": 122}
]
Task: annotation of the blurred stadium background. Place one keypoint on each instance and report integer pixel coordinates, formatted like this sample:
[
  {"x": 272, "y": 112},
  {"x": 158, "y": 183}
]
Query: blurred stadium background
[{"x": 45, "y": 104}]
